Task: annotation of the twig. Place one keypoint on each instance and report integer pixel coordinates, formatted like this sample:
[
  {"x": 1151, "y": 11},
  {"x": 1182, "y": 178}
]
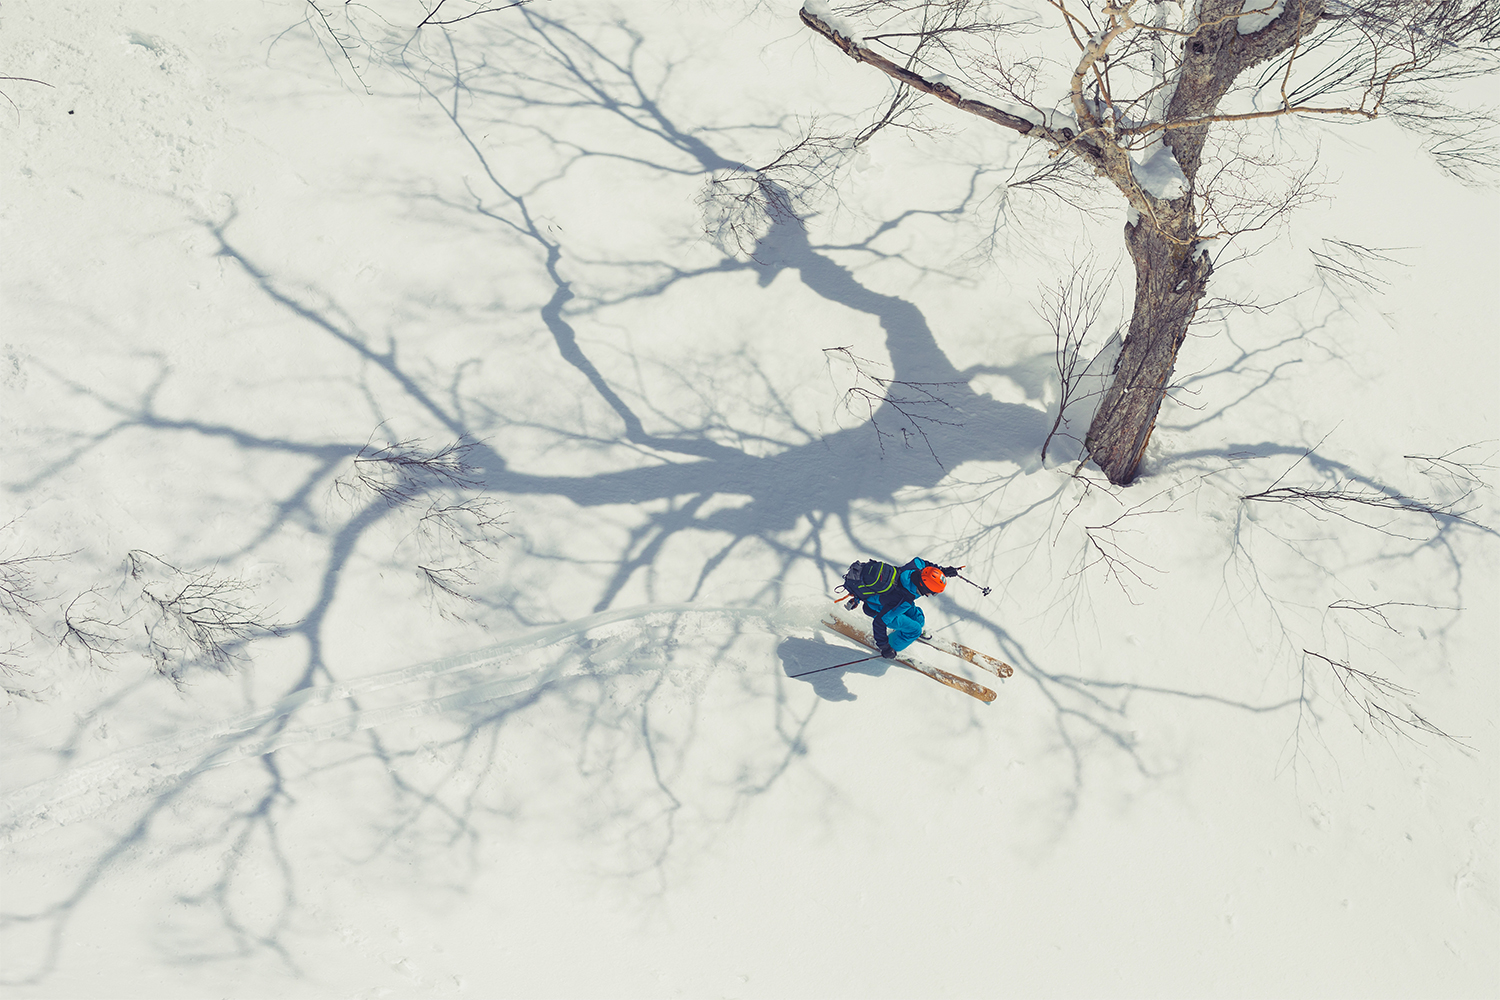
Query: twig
[
  {"x": 464, "y": 17},
  {"x": 907, "y": 403},
  {"x": 1373, "y": 696}
]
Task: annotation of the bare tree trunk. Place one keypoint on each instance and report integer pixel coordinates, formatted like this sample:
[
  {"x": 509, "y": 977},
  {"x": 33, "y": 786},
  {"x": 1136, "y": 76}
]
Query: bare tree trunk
[
  {"x": 1170, "y": 278},
  {"x": 1171, "y": 272}
]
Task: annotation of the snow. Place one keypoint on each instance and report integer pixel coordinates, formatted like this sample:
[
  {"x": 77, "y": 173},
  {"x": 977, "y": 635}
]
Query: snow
[
  {"x": 1256, "y": 14},
  {"x": 1157, "y": 172},
  {"x": 848, "y": 27},
  {"x": 234, "y": 258}
]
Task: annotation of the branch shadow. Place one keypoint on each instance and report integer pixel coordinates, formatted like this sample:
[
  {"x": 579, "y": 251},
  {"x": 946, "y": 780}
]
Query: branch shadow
[{"x": 748, "y": 474}]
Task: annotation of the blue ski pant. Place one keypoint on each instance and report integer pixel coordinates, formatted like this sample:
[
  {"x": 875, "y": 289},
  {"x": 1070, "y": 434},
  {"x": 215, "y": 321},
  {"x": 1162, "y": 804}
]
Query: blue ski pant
[{"x": 900, "y": 626}]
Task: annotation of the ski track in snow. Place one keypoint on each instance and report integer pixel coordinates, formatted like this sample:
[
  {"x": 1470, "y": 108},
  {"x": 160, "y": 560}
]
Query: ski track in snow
[{"x": 329, "y": 712}]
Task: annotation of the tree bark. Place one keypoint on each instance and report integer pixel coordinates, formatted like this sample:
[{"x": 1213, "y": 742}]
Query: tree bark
[{"x": 1170, "y": 279}]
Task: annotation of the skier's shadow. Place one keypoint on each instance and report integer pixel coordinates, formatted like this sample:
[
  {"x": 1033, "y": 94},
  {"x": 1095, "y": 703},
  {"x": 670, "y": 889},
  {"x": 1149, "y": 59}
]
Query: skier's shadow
[{"x": 802, "y": 656}]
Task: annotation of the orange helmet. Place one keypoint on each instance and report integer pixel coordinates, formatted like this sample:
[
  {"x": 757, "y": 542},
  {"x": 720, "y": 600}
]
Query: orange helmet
[{"x": 933, "y": 579}]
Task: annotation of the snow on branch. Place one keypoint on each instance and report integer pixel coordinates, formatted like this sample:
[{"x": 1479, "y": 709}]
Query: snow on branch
[{"x": 1027, "y": 121}]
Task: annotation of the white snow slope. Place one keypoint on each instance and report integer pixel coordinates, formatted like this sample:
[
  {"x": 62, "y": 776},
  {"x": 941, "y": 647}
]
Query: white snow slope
[{"x": 526, "y": 724}]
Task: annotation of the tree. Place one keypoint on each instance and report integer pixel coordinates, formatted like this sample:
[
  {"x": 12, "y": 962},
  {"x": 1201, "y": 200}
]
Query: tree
[{"x": 1144, "y": 85}]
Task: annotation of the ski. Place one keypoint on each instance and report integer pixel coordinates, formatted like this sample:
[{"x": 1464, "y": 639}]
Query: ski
[
  {"x": 981, "y": 660},
  {"x": 957, "y": 683}
]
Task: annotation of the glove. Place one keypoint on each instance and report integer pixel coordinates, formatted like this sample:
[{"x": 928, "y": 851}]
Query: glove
[
  {"x": 887, "y": 652},
  {"x": 951, "y": 570}
]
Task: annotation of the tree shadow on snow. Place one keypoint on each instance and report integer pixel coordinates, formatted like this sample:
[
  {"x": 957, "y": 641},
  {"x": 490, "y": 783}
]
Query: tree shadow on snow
[{"x": 732, "y": 474}]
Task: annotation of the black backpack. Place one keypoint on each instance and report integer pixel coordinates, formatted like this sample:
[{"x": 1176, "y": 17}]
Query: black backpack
[{"x": 867, "y": 578}]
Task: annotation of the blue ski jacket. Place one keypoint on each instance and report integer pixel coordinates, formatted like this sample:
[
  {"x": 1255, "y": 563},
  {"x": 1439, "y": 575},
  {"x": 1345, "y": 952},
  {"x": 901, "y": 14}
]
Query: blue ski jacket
[{"x": 898, "y": 622}]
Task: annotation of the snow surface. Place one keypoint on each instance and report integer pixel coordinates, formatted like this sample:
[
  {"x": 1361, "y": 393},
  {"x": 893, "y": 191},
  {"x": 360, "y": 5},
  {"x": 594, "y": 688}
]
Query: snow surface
[
  {"x": 1256, "y": 14},
  {"x": 242, "y": 243}
]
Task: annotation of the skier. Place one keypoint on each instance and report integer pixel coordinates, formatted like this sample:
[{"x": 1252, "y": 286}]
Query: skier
[{"x": 889, "y": 596}]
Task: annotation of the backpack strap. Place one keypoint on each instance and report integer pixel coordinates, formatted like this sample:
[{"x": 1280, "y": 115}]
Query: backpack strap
[{"x": 881, "y": 569}]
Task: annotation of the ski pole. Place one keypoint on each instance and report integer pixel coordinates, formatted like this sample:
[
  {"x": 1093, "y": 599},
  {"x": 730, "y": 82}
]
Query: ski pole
[
  {"x": 836, "y": 666},
  {"x": 984, "y": 591}
]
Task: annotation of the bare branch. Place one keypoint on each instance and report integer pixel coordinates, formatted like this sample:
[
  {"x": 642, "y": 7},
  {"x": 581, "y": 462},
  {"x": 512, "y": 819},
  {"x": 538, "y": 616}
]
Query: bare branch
[
  {"x": 945, "y": 91},
  {"x": 432, "y": 15},
  {"x": 1470, "y": 471},
  {"x": 1104, "y": 540},
  {"x": 908, "y": 399},
  {"x": 88, "y": 635},
  {"x": 342, "y": 40},
  {"x": 1071, "y": 310},
  {"x": 739, "y": 206},
  {"x": 1382, "y": 702},
  {"x": 1375, "y": 613},
  {"x": 402, "y": 471},
  {"x": 1353, "y": 265},
  {"x": 20, "y": 79},
  {"x": 18, "y": 577},
  {"x": 1339, "y": 496},
  {"x": 195, "y": 617}
]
